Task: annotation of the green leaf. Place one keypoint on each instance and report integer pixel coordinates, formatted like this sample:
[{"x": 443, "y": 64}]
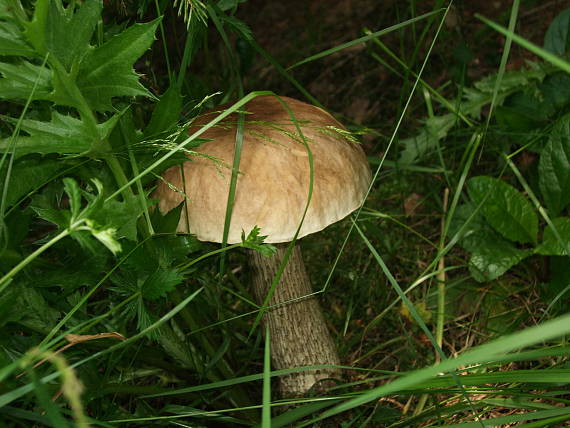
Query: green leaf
[
  {"x": 254, "y": 241},
  {"x": 166, "y": 113},
  {"x": 121, "y": 215},
  {"x": 555, "y": 91},
  {"x": 28, "y": 175},
  {"x": 63, "y": 134},
  {"x": 226, "y": 5},
  {"x": 551, "y": 244},
  {"x": 12, "y": 9},
  {"x": 35, "y": 30},
  {"x": 167, "y": 223},
  {"x": 35, "y": 312},
  {"x": 105, "y": 235},
  {"x": 556, "y": 38},
  {"x": 12, "y": 42},
  {"x": 554, "y": 167},
  {"x": 19, "y": 80},
  {"x": 492, "y": 256},
  {"x": 437, "y": 127},
  {"x": 74, "y": 194},
  {"x": 469, "y": 238},
  {"x": 63, "y": 32},
  {"x": 107, "y": 71},
  {"x": 70, "y": 33},
  {"x": 160, "y": 282},
  {"x": 60, "y": 218},
  {"x": 505, "y": 209}
]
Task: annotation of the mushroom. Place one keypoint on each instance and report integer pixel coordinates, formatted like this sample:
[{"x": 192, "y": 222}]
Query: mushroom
[{"x": 271, "y": 193}]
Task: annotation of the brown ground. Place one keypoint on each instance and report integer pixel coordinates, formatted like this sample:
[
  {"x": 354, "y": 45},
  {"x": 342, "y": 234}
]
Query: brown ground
[{"x": 352, "y": 83}]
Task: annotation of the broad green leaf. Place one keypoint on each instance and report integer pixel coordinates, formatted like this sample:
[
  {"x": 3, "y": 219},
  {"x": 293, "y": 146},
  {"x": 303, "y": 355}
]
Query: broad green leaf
[
  {"x": 551, "y": 245},
  {"x": 477, "y": 225},
  {"x": 167, "y": 223},
  {"x": 68, "y": 33},
  {"x": 63, "y": 134},
  {"x": 64, "y": 33},
  {"x": 35, "y": 30},
  {"x": 107, "y": 71},
  {"x": 554, "y": 167},
  {"x": 28, "y": 175},
  {"x": 556, "y": 38},
  {"x": 19, "y": 80},
  {"x": 121, "y": 215},
  {"x": 12, "y": 42},
  {"x": 12, "y": 10},
  {"x": 504, "y": 208},
  {"x": 43, "y": 145},
  {"x": 555, "y": 91},
  {"x": 492, "y": 256},
  {"x": 77, "y": 219},
  {"x": 60, "y": 218},
  {"x": 166, "y": 113},
  {"x": 161, "y": 282}
]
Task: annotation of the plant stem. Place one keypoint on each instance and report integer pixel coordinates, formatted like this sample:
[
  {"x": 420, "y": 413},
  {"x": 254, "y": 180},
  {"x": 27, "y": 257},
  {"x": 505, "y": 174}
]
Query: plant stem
[{"x": 441, "y": 281}]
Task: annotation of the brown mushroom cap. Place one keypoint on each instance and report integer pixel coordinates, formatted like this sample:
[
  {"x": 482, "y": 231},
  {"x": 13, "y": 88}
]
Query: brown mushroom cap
[{"x": 274, "y": 174}]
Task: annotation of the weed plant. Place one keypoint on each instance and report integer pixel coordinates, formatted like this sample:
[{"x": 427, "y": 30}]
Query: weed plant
[{"x": 450, "y": 312}]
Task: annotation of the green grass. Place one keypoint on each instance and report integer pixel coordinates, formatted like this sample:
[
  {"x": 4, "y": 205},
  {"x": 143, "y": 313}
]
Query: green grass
[{"x": 441, "y": 317}]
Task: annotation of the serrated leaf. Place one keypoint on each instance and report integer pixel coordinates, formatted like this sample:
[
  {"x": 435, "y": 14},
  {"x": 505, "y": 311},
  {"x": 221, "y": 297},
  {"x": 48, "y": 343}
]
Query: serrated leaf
[
  {"x": 9, "y": 307},
  {"x": 63, "y": 134},
  {"x": 160, "y": 282},
  {"x": 121, "y": 215},
  {"x": 237, "y": 25},
  {"x": 69, "y": 33},
  {"x": 515, "y": 79},
  {"x": 107, "y": 71},
  {"x": 74, "y": 194},
  {"x": 12, "y": 9},
  {"x": 29, "y": 174},
  {"x": 254, "y": 241},
  {"x": 492, "y": 257},
  {"x": 36, "y": 313},
  {"x": 166, "y": 113},
  {"x": 551, "y": 244},
  {"x": 167, "y": 223},
  {"x": 505, "y": 208},
  {"x": 19, "y": 80},
  {"x": 12, "y": 42},
  {"x": 58, "y": 217},
  {"x": 438, "y": 127},
  {"x": 105, "y": 235},
  {"x": 35, "y": 30},
  {"x": 556, "y": 37},
  {"x": 63, "y": 33},
  {"x": 554, "y": 167}
]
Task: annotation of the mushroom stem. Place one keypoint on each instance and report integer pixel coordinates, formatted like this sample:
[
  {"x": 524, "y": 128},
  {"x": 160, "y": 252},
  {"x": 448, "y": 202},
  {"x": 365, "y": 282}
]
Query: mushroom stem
[{"x": 298, "y": 333}]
